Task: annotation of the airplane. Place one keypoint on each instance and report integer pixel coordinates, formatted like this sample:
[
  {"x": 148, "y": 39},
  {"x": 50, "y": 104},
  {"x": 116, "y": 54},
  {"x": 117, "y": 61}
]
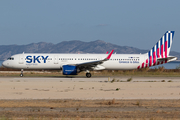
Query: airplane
[{"x": 72, "y": 64}]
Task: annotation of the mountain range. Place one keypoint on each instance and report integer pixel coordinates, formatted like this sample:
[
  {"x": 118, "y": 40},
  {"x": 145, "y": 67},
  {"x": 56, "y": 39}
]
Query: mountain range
[{"x": 74, "y": 46}]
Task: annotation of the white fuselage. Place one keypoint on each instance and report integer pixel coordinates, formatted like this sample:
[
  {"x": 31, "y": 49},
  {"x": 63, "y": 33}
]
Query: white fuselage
[
  {"x": 56, "y": 61},
  {"x": 71, "y": 64}
]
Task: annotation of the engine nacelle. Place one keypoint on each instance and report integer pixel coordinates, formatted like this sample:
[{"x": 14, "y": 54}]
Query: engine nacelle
[{"x": 69, "y": 70}]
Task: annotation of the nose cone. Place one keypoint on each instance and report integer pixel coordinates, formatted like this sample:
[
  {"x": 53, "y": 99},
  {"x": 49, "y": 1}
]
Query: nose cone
[{"x": 5, "y": 64}]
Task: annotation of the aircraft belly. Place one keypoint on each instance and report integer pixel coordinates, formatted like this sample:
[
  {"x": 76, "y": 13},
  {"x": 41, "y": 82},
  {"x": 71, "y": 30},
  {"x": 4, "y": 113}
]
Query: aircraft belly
[
  {"x": 120, "y": 66},
  {"x": 38, "y": 66}
]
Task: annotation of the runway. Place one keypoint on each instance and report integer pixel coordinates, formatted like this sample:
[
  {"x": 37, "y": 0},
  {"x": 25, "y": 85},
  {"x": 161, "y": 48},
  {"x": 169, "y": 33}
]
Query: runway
[{"x": 89, "y": 88}]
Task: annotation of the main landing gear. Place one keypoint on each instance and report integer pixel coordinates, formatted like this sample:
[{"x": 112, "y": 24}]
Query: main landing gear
[
  {"x": 21, "y": 75},
  {"x": 88, "y": 74}
]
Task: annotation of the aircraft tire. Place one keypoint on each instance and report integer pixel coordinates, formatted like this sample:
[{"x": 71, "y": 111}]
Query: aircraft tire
[
  {"x": 21, "y": 75},
  {"x": 88, "y": 75}
]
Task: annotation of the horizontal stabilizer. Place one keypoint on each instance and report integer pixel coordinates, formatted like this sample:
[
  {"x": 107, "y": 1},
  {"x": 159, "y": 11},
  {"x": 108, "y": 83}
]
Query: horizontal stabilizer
[{"x": 170, "y": 58}]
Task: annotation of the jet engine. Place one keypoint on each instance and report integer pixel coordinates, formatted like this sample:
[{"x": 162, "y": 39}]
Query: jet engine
[{"x": 69, "y": 70}]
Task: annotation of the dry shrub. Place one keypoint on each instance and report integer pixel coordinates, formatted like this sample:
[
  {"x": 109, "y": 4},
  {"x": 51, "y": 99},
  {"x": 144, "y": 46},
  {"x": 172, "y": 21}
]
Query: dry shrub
[
  {"x": 113, "y": 80},
  {"x": 158, "y": 111},
  {"x": 117, "y": 89},
  {"x": 161, "y": 69},
  {"x": 109, "y": 103},
  {"x": 144, "y": 69},
  {"x": 138, "y": 103},
  {"x": 112, "y": 102},
  {"x": 8, "y": 69},
  {"x": 129, "y": 79}
]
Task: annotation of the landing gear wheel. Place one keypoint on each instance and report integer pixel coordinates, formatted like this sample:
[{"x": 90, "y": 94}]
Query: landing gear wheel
[
  {"x": 88, "y": 75},
  {"x": 21, "y": 75}
]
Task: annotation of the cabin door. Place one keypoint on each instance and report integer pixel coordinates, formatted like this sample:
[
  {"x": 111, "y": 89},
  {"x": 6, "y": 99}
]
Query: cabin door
[
  {"x": 55, "y": 59},
  {"x": 21, "y": 59}
]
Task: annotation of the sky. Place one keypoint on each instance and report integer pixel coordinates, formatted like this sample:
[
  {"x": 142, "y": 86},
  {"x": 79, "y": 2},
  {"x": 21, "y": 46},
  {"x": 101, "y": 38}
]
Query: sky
[{"x": 135, "y": 23}]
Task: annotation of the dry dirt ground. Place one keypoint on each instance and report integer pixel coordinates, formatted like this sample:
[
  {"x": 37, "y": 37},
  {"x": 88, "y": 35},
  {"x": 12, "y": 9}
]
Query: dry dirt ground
[
  {"x": 94, "y": 98},
  {"x": 90, "y": 88},
  {"x": 130, "y": 109}
]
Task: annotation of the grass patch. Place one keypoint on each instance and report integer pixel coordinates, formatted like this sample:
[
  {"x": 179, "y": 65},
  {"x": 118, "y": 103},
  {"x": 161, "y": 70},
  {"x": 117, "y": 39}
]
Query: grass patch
[
  {"x": 117, "y": 89},
  {"x": 113, "y": 80},
  {"x": 145, "y": 72},
  {"x": 129, "y": 79}
]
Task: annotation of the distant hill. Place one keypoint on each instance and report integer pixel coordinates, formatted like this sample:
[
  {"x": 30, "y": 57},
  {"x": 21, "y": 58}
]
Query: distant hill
[{"x": 74, "y": 46}]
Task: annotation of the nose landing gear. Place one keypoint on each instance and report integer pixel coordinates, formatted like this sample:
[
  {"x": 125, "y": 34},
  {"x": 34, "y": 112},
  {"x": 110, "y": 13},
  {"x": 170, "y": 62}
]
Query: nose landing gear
[{"x": 21, "y": 75}]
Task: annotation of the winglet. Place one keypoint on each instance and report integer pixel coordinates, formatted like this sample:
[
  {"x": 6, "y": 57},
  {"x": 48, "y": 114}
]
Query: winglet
[{"x": 109, "y": 56}]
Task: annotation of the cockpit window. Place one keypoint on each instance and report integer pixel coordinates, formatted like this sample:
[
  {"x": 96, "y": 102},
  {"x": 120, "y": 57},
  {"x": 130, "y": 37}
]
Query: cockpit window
[{"x": 11, "y": 58}]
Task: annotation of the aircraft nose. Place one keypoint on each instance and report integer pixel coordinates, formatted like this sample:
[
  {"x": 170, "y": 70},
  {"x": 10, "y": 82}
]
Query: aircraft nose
[{"x": 4, "y": 64}]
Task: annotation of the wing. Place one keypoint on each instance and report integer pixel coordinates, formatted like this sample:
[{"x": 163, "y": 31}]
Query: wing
[{"x": 90, "y": 65}]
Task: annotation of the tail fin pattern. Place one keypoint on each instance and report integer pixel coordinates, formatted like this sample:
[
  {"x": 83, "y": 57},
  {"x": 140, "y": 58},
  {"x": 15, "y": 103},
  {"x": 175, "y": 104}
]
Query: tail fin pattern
[{"x": 160, "y": 50}]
